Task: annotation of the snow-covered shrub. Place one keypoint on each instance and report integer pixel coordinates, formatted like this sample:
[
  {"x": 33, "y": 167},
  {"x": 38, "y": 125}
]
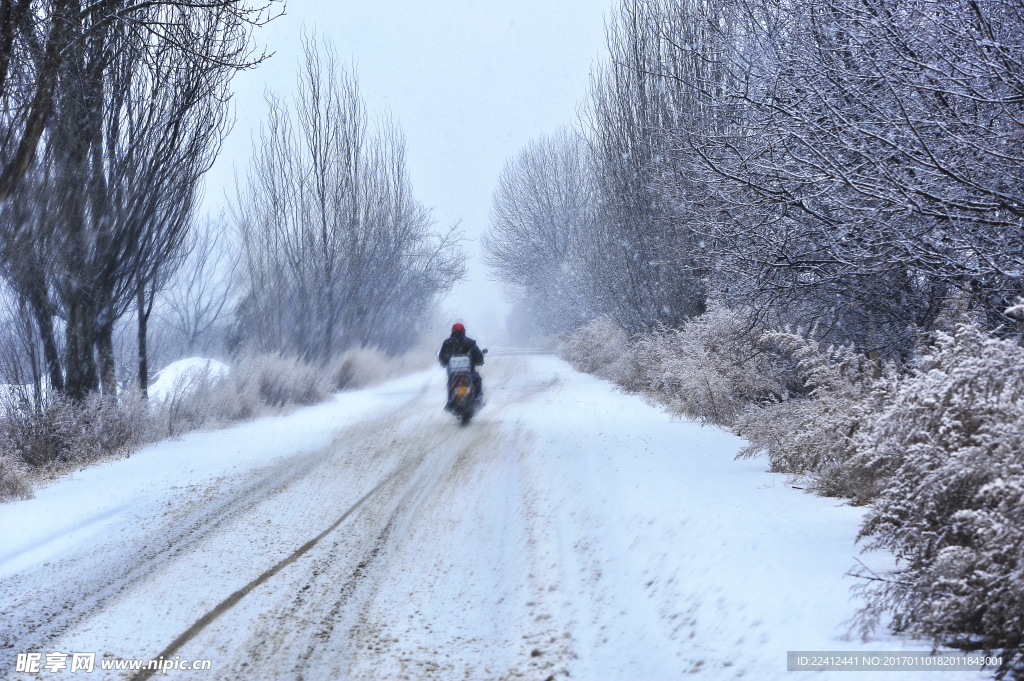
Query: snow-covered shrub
[
  {"x": 68, "y": 432},
  {"x": 178, "y": 376},
  {"x": 194, "y": 399},
  {"x": 28, "y": 435},
  {"x": 594, "y": 347},
  {"x": 255, "y": 383},
  {"x": 949, "y": 451},
  {"x": 64, "y": 434},
  {"x": 711, "y": 369},
  {"x": 815, "y": 436},
  {"x": 207, "y": 396},
  {"x": 14, "y": 482},
  {"x": 103, "y": 425}
]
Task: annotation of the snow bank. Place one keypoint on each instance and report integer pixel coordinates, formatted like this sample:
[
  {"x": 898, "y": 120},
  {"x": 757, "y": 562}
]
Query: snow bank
[{"x": 177, "y": 373}]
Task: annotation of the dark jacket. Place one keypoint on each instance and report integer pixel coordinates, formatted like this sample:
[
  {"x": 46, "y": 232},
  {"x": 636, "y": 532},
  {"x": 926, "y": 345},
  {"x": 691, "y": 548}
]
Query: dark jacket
[{"x": 460, "y": 345}]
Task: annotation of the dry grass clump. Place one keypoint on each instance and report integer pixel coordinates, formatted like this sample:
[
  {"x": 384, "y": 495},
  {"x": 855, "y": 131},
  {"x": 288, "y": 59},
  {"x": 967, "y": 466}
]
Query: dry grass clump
[
  {"x": 269, "y": 383},
  {"x": 277, "y": 382},
  {"x": 64, "y": 432},
  {"x": 43, "y": 442},
  {"x": 14, "y": 482}
]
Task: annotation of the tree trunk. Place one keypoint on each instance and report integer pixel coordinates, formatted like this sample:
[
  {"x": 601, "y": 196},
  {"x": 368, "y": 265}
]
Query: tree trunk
[
  {"x": 78, "y": 357},
  {"x": 50, "y": 354},
  {"x": 25, "y": 318},
  {"x": 140, "y": 300},
  {"x": 105, "y": 355},
  {"x": 43, "y": 311},
  {"x": 41, "y": 103}
]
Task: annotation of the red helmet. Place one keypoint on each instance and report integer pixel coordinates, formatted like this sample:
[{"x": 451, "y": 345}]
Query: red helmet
[{"x": 458, "y": 329}]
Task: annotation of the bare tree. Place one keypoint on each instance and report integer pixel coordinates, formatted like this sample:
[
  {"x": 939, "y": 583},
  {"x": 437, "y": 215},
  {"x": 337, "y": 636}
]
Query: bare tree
[
  {"x": 128, "y": 180},
  {"x": 39, "y": 38},
  {"x": 541, "y": 213},
  {"x": 197, "y": 297},
  {"x": 638, "y": 252},
  {"x": 336, "y": 251},
  {"x": 26, "y": 264}
]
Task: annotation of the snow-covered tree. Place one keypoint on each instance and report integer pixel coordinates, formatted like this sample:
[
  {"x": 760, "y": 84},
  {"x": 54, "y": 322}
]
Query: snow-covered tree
[{"x": 873, "y": 166}]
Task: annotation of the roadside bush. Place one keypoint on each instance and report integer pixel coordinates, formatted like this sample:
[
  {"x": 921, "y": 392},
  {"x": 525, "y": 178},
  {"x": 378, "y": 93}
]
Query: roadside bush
[
  {"x": 711, "y": 369},
  {"x": 801, "y": 403},
  {"x": 280, "y": 381},
  {"x": 361, "y": 367},
  {"x": 267, "y": 383},
  {"x": 65, "y": 432},
  {"x": 103, "y": 425},
  {"x": 949, "y": 452},
  {"x": 937, "y": 448},
  {"x": 594, "y": 347},
  {"x": 196, "y": 399},
  {"x": 816, "y": 436},
  {"x": 27, "y": 435},
  {"x": 255, "y": 385}
]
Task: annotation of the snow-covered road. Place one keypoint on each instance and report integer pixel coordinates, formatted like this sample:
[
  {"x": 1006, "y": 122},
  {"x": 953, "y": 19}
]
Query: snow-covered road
[{"x": 569, "y": 531}]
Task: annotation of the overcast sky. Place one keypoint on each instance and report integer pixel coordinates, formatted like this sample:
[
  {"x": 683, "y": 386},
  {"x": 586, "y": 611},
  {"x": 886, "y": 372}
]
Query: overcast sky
[{"x": 468, "y": 82}]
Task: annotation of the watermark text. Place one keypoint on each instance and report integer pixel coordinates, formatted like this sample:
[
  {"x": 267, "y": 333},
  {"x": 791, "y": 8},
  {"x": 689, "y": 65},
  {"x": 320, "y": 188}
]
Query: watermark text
[{"x": 36, "y": 663}]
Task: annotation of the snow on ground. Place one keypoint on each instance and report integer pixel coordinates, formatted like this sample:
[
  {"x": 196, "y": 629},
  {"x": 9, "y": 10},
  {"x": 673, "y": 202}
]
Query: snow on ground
[
  {"x": 163, "y": 383},
  {"x": 103, "y": 499},
  {"x": 569, "y": 531}
]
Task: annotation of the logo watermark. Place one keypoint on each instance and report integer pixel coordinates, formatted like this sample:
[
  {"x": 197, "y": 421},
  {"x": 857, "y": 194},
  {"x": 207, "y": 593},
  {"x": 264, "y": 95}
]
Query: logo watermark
[{"x": 35, "y": 663}]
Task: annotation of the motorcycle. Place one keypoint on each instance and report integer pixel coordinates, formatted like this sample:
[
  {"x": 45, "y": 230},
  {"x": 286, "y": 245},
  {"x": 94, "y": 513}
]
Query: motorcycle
[{"x": 464, "y": 394}]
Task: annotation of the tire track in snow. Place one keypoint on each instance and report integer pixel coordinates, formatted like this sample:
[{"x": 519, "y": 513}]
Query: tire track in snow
[
  {"x": 44, "y": 613},
  {"x": 301, "y": 621},
  {"x": 54, "y": 603},
  {"x": 387, "y": 646},
  {"x": 234, "y": 598},
  {"x": 415, "y": 505},
  {"x": 53, "y": 606}
]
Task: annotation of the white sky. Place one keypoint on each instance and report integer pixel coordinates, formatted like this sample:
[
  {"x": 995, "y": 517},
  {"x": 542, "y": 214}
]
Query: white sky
[{"x": 468, "y": 82}]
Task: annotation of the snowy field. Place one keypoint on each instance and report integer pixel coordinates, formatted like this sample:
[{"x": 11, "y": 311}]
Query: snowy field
[{"x": 569, "y": 532}]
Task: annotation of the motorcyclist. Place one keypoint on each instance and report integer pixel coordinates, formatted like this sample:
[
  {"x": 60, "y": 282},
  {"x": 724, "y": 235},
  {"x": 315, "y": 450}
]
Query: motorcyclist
[{"x": 459, "y": 344}]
